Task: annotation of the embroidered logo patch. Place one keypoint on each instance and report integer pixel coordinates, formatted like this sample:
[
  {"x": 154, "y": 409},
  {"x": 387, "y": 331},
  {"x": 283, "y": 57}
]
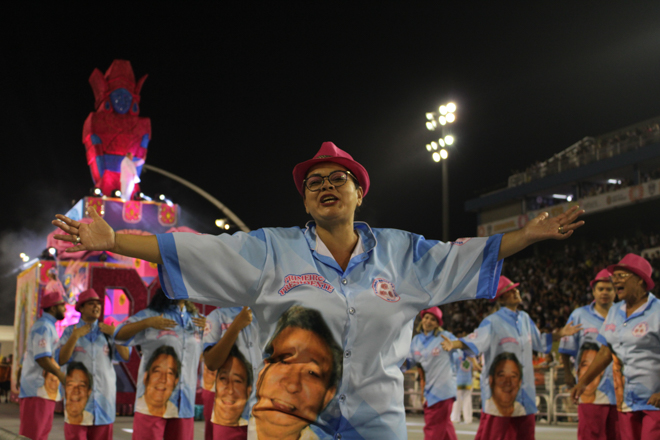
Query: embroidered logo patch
[
  {"x": 311, "y": 279},
  {"x": 472, "y": 335},
  {"x": 42, "y": 343},
  {"x": 435, "y": 351},
  {"x": 640, "y": 329},
  {"x": 461, "y": 241},
  {"x": 385, "y": 290},
  {"x": 610, "y": 327},
  {"x": 590, "y": 330},
  {"x": 165, "y": 333},
  {"x": 207, "y": 328},
  {"x": 509, "y": 341}
]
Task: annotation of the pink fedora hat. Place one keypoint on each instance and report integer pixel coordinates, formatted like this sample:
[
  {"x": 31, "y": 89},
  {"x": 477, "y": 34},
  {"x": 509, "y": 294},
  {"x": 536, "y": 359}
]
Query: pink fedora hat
[
  {"x": 52, "y": 299},
  {"x": 435, "y": 311},
  {"x": 603, "y": 275},
  {"x": 504, "y": 286},
  {"x": 85, "y": 296},
  {"x": 329, "y": 152},
  {"x": 637, "y": 265}
]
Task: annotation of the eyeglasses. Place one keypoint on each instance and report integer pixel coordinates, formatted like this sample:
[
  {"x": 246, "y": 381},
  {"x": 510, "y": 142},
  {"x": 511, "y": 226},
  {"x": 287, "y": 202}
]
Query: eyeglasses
[
  {"x": 620, "y": 276},
  {"x": 336, "y": 178}
]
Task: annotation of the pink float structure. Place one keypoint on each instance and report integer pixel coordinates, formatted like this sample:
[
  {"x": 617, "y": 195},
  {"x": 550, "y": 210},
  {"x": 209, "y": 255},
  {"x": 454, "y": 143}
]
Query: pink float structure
[{"x": 125, "y": 285}]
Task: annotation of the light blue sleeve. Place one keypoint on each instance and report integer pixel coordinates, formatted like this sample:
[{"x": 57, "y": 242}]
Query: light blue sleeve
[
  {"x": 540, "y": 342},
  {"x": 42, "y": 342},
  {"x": 66, "y": 334},
  {"x": 224, "y": 270},
  {"x": 139, "y": 337},
  {"x": 465, "y": 269},
  {"x": 570, "y": 344},
  {"x": 479, "y": 340}
]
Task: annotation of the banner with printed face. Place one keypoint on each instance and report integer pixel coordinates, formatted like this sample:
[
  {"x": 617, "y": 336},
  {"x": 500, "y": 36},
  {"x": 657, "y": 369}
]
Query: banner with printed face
[
  {"x": 503, "y": 388},
  {"x": 591, "y": 394},
  {"x": 78, "y": 387}
]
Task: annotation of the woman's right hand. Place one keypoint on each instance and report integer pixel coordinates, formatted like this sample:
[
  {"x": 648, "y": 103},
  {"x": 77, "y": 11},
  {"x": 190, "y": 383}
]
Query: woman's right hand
[
  {"x": 161, "y": 323},
  {"x": 447, "y": 345},
  {"x": 94, "y": 236},
  {"x": 244, "y": 318}
]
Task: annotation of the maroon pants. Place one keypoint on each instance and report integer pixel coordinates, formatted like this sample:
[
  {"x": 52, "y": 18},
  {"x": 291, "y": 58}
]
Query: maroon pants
[
  {"x": 639, "y": 425},
  {"x": 437, "y": 421},
  {"x": 79, "y": 432},
  {"x": 207, "y": 399},
  {"x": 229, "y": 432},
  {"x": 147, "y": 427},
  {"x": 506, "y": 428},
  {"x": 36, "y": 417},
  {"x": 598, "y": 422}
]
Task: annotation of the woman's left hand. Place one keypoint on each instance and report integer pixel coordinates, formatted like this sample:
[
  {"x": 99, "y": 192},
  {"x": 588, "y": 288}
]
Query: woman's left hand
[
  {"x": 654, "y": 400},
  {"x": 569, "y": 329},
  {"x": 199, "y": 321},
  {"x": 560, "y": 227}
]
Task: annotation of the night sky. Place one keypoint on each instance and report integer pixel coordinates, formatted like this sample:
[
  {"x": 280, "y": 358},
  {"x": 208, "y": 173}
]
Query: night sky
[{"x": 237, "y": 97}]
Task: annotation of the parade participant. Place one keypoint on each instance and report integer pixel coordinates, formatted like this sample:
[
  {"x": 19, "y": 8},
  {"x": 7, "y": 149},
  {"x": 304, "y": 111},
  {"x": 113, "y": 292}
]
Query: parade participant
[
  {"x": 90, "y": 342},
  {"x": 169, "y": 333},
  {"x": 463, "y": 365},
  {"x": 597, "y": 412},
  {"x": 507, "y": 339},
  {"x": 37, "y": 404},
  {"x": 439, "y": 380},
  {"x": 369, "y": 283},
  {"x": 630, "y": 332},
  {"x": 230, "y": 329}
]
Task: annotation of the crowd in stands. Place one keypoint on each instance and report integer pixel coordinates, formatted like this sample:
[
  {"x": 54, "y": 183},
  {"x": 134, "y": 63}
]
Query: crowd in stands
[
  {"x": 554, "y": 284},
  {"x": 590, "y": 150}
]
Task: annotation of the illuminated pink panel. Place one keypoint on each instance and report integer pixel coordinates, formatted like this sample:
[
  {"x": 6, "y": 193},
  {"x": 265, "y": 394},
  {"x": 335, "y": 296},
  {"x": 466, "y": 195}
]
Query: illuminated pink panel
[{"x": 70, "y": 317}]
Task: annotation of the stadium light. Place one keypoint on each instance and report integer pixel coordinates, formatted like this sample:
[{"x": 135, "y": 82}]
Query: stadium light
[{"x": 444, "y": 116}]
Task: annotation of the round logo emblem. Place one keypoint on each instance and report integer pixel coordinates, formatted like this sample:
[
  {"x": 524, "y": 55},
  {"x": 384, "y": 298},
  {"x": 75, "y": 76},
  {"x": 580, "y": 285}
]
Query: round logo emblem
[
  {"x": 385, "y": 290},
  {"x": 640, "y": 329}
]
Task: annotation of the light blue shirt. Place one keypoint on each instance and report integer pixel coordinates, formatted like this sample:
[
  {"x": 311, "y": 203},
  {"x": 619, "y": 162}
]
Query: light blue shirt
[
  {"x": 42, "y": 342},
  {"x": 591, "y": 323},
  {"x": 635, "y": 340},
  {"x": 186, "y": 340},
  {"x": 247, "y": 342},
  {"x": 369, "y": 307},
  {"x": 440, "y": 380},
  {"x": 463, "y": 367},
  {"x": 512, "y": 332},
  {"x": 96, "y": 351}
]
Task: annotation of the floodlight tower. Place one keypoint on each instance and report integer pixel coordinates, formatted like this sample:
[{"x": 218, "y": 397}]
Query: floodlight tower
[{"x": 441, "y": 121}]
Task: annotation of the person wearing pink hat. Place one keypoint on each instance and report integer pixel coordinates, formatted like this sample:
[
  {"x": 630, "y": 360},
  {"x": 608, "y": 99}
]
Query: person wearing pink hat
[
  {"x": 439, "y": 381},
  {"x": 37, "y": 405},
  {"x": 631, "y": 334},
  {"x": 90, "y": 343},
  {"x": 369, "y": 283},
  {"x": 507, "y": 339},
  {"x": 597, "y": 412}
]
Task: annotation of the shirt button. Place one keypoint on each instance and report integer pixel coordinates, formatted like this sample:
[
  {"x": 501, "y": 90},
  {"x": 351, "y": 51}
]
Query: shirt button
[
  {"x": 342, "y": 398},
  {"x": 625, "y": 324},
  {"x": 351, "y": 311},
  {"x": 347, "y": 353},
  {"x": 344, "y": 281}
]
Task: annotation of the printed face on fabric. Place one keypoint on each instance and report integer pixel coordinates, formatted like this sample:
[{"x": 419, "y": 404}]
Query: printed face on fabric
[
  {"x": 159, "y": 382},
  {"x": 586, "y": 358},
  {"x": 77, "y": 390},
  {"x": 51, "y": 385},
  {"x": 296, "y": 383},
  {"x": 232, "y": 389},
  {"x": 505, "y": 384}
]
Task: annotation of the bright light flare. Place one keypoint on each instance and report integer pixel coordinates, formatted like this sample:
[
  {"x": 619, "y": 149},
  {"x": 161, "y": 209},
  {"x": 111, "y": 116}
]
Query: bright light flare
[
  {"x": 226, "y": 226},
  {"x": 161, "y": 197},
  {"x": 221, "y": 222},
  {"x": 451, "y": 117},
  {"x": 117, "y": 193},
  {"x": 451, "y": 107},
  {"x": 443, "y": 110},
  {"x": 442, "y": 120},
  {"x": 449, "y": 139},
  {"x": 443, "y": 154},
  {"x": 52, "y": 251},
  {"x": 441, "y": 141},
  {"x": 429, "y": 116},
  {"x": 436, "y": 156},
  {"x": 434, "y": 145},
  {"x": 24, "y": 257},
  {"x": 430, "y": 126},
  {"x": 428, "y": 147}
]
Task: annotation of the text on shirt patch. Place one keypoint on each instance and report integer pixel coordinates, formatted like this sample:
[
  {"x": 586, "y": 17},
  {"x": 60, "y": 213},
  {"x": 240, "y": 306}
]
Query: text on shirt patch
[
  {"x": 472, "y": 335},
  {"x": 435, "y": 351},
  {"x": 640, "y": 329},
  {"x": 610, "y": 327},
  {"x": 165, "y": 333},
  {"x": 590, "y": 330},
  {"x": 42, "y": 343},
  {"x": 384, "y": 289},
  {"x": 509, "y": 340},
  {"x": 311, "y": 279},
  {"x": 461, "y": 241},
  {"x": 79, "y": 349}
]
